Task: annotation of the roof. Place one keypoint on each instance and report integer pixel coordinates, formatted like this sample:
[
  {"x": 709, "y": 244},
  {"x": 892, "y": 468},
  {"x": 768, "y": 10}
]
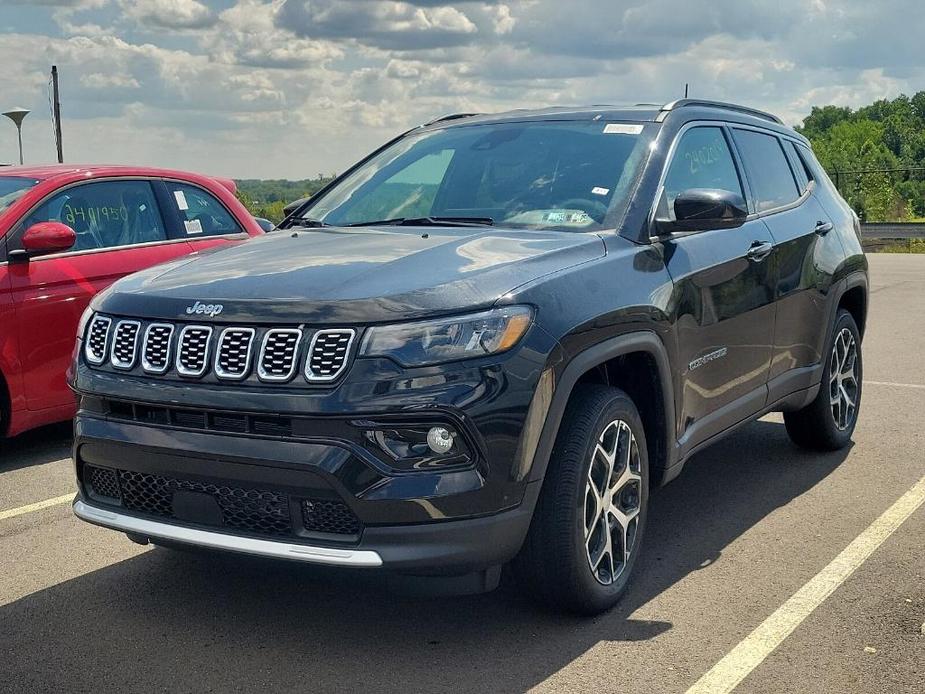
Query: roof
[
  {"x": 634, "y": 112},
  {"x": 690, "y": 108},
  {"x": 48, "y": 171}
]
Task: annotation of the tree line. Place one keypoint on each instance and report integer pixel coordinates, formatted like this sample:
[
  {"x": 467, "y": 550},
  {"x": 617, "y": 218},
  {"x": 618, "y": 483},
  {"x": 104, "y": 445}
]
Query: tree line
[
  {"x": 267, "y": 197},
  {"x": 876, "y": 154}
]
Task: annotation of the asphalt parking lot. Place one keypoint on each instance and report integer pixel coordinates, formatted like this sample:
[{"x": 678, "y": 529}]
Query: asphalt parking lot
[{"x": 748, "y": 524}]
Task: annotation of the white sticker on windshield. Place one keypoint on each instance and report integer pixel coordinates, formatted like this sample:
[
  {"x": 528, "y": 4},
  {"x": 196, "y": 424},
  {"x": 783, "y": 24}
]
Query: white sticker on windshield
[
  {"x": 622, "y": 129},
  {"x": 181, "y": 200},
  {"x": 193, "y": 226},
  {"x": 597, "y": 190}
]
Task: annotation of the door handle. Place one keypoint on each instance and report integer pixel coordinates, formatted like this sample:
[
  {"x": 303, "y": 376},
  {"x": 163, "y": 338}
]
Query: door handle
[
  {"x": 823, "y": 228},
  {"x": 759, "y": 251}
]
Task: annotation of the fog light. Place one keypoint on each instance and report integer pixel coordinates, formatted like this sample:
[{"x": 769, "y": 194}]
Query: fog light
[
  {"x": 440, "y": 440},
  {"x": 424, "y": 447}
]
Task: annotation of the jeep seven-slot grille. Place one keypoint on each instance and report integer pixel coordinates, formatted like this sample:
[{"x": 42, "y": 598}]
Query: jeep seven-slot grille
[
  {"x": 328, "y": 354},
  {"x": 272, "y": 355},
  {"x": 249, "y": 509},
  {"x": 155, "y": 355},
  {"x": 193, "y": 350},
  {"x": 97, "y": 339},
  {"x": 234, "y": 353}
]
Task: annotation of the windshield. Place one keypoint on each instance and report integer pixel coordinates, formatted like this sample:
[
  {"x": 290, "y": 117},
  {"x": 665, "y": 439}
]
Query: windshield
[
  {"x": 533, "y": 175},
  {"x": 12, "y": 188}
]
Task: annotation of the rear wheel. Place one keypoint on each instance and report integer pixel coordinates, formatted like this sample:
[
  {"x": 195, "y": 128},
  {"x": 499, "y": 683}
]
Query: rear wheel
[
  {"x": 828, "y": 422},
  {"x": 588, "y": 525}
]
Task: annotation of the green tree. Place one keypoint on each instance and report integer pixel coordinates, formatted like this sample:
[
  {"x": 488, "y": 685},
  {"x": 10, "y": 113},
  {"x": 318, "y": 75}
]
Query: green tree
[{"x": 888, "y": 134}]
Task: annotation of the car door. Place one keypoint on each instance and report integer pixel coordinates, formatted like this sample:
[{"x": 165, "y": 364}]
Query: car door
[
  {"x": 120, "y": 230},
  {"x": 199, "y": 216},
  {"x": 805, "y": 256},
  {"x": 723, "y": 295}
]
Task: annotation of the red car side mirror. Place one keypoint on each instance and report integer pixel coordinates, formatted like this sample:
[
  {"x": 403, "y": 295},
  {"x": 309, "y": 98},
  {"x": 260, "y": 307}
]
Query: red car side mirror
[{"x": 48, "y": 237}]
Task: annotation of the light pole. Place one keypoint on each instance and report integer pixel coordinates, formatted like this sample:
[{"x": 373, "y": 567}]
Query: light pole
[{"x": 17, "y": 115}]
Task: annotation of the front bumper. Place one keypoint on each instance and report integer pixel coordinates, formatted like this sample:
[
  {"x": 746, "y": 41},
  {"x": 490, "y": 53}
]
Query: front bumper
[
  {"x": 155, "y": 530},
  {"x": 259, "y": 488},
  {"x": 235, "y": 466},
  {"x": 448, "y": 548}
]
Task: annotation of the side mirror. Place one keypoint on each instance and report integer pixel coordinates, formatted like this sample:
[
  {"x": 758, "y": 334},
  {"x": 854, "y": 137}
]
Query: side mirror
[
  {"x": 48, "y": 237},
  {"x": 702, "y": 209},
  {"x": 264, "y": 224}
]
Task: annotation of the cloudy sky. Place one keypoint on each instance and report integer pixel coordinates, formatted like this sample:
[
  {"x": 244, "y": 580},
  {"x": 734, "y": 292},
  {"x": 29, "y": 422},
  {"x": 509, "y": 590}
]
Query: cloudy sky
[{"x": 291, "y": 88}]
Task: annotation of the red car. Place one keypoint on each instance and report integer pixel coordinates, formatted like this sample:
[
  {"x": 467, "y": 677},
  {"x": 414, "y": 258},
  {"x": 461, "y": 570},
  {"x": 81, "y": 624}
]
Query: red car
[{"x": 66, "y": 232}]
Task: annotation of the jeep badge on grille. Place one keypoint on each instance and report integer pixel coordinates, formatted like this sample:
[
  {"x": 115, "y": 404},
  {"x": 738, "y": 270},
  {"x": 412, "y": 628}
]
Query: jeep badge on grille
[{"x": 210, "y": 310}]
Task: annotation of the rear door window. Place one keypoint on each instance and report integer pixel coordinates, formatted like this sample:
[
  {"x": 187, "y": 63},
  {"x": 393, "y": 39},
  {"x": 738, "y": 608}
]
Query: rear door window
[
  {"x": 105, "y": 214},
  {"x": 201, "y": 213},
  {"x": 768, "y": 171}
]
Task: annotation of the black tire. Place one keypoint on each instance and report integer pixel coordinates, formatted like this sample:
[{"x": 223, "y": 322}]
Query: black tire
[
  {"x": 815, "y": 426},
  {"x": 554, "y": 563}
]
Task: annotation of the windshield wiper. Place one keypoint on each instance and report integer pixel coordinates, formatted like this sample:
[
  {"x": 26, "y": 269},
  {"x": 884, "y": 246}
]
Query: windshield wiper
[
  {"x": 309, "y": 223},
  {"x": 429, "y": 222}
]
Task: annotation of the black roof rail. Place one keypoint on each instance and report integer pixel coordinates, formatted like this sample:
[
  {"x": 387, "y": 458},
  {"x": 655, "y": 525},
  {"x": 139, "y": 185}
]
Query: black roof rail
[
  {"x": 448, "y": 116},
  {"x": 680, "y": 103}
]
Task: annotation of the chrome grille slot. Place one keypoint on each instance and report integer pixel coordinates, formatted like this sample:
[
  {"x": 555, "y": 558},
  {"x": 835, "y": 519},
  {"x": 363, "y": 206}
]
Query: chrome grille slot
[
  {"x": 193, "y": 350},
  {"x": 233, "y": 356},
  {"x": 125, "y": 344},
  {"x": 277, "y": 361},
  {"x": 327, "y": 355},
  {"x": 155, "y": 351},
  {"x": 97, "y": 339}
]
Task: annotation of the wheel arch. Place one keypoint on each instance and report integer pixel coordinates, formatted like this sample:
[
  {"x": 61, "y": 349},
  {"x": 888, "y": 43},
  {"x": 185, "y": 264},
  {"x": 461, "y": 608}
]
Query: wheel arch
[
  {"x": 854, "y": 299},
  {"x": 638, "y": 364}
]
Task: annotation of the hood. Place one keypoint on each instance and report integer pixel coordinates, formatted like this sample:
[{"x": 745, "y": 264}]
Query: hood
[{"x": 352, "y": 275}]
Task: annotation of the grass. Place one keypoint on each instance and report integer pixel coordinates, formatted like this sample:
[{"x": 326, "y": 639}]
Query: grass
[{"x": 905, "y": 246}]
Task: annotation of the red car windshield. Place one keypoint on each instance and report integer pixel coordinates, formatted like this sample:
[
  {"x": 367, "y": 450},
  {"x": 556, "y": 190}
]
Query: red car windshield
[{"x": 12, "y": 188}]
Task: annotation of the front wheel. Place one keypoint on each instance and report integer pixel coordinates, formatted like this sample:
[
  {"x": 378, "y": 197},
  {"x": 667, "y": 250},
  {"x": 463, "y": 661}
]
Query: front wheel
[
  {"x": 828, "y": 422},
  {"x": 588, "y": 525}
]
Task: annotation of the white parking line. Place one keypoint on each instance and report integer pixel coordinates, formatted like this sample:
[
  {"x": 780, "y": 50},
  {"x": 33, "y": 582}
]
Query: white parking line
[
  {"x": 37, "y": 506},
  {"x": 754, "y": 648},
  {"x": 895, "y": 385}
]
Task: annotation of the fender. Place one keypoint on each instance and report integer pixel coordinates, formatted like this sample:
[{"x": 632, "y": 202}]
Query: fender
[
  {"x": 855, "y": 279},
  {"x": 642, "y": 341}
]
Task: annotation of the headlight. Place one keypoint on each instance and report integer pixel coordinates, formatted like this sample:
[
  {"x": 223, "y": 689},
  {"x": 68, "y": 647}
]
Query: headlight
[{"x": 449, "y": 339}]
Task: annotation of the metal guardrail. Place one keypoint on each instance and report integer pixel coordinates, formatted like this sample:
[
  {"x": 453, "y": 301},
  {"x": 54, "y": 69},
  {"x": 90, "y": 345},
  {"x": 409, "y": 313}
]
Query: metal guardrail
[{"x": 892, "y": 230}]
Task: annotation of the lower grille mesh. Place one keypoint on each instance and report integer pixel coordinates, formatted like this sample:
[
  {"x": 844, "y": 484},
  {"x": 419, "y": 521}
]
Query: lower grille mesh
[
  {"x": 258, "y": 511},
  {"x": 103, "y": 483},
  {"x": 329, "y": 517},
  {"x": 254, "y": 510}
]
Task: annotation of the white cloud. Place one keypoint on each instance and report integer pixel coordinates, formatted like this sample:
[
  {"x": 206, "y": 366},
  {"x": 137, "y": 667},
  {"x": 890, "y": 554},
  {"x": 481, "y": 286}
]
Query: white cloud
[
  {"x": 168, "y": 14},
  {"x": 293, "y": 87}
]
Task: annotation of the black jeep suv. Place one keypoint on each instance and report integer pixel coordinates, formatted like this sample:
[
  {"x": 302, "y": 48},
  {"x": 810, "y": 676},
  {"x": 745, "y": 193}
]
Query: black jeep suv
[{"x": 482, "y": 345}]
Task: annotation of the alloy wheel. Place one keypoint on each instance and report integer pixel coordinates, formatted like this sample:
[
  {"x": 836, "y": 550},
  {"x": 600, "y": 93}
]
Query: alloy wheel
[
  {"x": 843, "y": 379},
  {"x": 613, "y": 493}
]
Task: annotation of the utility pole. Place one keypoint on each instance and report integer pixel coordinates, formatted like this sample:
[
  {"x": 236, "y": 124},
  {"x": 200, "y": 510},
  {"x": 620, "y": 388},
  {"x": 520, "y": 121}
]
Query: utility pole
[
  {"x": 57, "y": 112},
  {"x": 686, "y": 85}
]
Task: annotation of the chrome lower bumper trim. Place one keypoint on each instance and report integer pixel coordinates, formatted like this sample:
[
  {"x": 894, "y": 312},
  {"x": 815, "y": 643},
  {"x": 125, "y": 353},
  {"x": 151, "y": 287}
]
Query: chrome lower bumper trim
[{"x": 204, "y": 538}]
